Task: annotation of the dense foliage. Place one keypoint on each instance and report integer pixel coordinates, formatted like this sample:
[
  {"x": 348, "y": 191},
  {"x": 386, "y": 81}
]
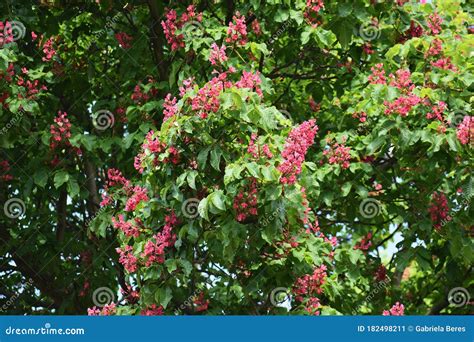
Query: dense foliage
[{"x": 253, "y": 157}]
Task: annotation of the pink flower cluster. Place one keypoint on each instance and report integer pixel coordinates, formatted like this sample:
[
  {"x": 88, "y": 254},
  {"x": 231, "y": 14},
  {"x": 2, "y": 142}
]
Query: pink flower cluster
[
  {"x": 365, "y": 243},
  {"x": 154, "y": 250},
  {"x": 434, "y": 23},
  {"x": 297, "y": 144},
  {"x": 124, "y": 40},
  {"x": 4, "y": 169},
  {"x": 251, "y": 81},
  {"x": 338, "y": 153},
  {"x": 173, "y": 24},
  {"x": 245, "y": 203},
  {"x": 140, "y": 97},
  {"x": 310, "y": 284},
  {"x": 403, "y": 105},
  {"x": 396, "y": 310},
  {"x": 465, "y": 130},
  {"x": 217, "y": 55},
  {"x": 200, "y": 303},
  {"x": 437, "y": 111},
  {"x": 139, "y": 194},
  {"x": 237, "y": 30},
  {"x": 312, "y": 9},
  {"x": 128, "y": 228},
  {"x": 401, "y": 80},
  {"x": 128, "y": 259},
  {"x": 312, "y": 306},
  {"x": 439, "y": 210},
  {"x": 155, "y": 147},
  {"x": 445, "y": 64},
  {"x": 31, "y": 88},
  {"x": 170, "y": 107},
  {"x": 114, "y": 178},
  {"x": 436, "y": 48},
  {"x": 6, "y": 33},
  {"x": 362, "y": 116},
  {"x": 61, "y": 132},
  {"x": 254, "y": 149},
  {"x": 48, "y": 50},
  {"x": 153, "y": 310},
  {"x": 107, "y": 310},
  {"x": 378, "y": 74}
]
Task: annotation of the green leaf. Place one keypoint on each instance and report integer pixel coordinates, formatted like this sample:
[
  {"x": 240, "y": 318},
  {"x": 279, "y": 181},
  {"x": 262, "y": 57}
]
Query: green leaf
[
  {"x": 217, "y": 198},
  {"x": 216, "y": 158},
  {"x": 60, "y": 178},
  {"x": 73, "y": 188},
  {"x": 41, "y": 177}
]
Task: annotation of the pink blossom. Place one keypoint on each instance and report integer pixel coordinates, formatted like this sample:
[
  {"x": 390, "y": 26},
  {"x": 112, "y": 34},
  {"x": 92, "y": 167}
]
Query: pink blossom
[
  {"x": 465, "y": 130},
  {"x": 402, "y": 105},
  {"x": 445, "y": 64},
  {"x": 310, "y": 284},
  {"x": 154, "y": 250},
  {"x": 401, "y": 80},
  {"x": 251, "y": 81},
  {"x": 437, "y": 111},
  {"x": 127, "y": 259},
  {"x": 338, "y": 153},
  {"x": 297, "y": 144},
  {"x": 378, "y": 75},
  {"x": 153, "y": 310},
  {"x": 237, "y": 30},
  {"x": 436, "y": 48},
  {"x": 396, "y": 310},
  {"x": 170, "y": 107},
  {"x": 245, "y": 203},
  {"x": 217, "y": 55},
  {"x": 365, "y": 243},
  {"x": 126, "y": 227},
  {"x": 139, "y": 195},
  {"x": 434, "y": 23},
  {"x": 124, "y": 40},
  {"x": 439, "y": 210}
]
